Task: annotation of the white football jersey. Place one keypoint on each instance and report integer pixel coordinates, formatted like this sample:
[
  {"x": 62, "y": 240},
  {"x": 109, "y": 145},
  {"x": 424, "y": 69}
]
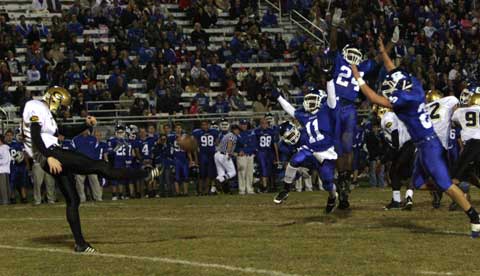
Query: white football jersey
[
  {"x": 468, "y": 118},
  {"x": 38, "y": 111},
  {"x": 389, "y": 124},
  {"x": 441, "y": 112}
]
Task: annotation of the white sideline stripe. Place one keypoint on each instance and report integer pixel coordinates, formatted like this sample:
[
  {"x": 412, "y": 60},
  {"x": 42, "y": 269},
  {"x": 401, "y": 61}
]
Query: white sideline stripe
[
  {"x": 238, "y": 221},
  {"x": 249, "y": 270},
  {"x": 434, "y": 273}
]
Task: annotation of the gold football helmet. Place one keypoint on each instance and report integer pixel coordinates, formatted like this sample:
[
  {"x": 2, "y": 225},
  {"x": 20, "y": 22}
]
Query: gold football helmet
[
  {"x": 433, "y": 95},
  {"x": 474, "y": 100},
  {"x": 380, "y": 110},
  {"x": 57, "y": 97}
]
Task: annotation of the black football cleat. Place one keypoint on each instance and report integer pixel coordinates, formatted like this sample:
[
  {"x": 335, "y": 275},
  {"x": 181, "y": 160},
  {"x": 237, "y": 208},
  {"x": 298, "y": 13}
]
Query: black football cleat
[
  {"x": 331, "y": 204},
  {"x": 453, "y": 207},
  {"x": 281, "y": 197},
  {"x": 86, "y": 248},
  {"x": 393, "y": 205},
  {"x": 436, "y": 199},
  {"x": 343, "y": 203}
]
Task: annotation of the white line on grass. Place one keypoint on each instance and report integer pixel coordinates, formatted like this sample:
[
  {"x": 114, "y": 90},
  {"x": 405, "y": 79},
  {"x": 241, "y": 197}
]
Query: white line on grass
[
  {"x": 434, "y": 273},
  {"x": 249, "y": 270}
]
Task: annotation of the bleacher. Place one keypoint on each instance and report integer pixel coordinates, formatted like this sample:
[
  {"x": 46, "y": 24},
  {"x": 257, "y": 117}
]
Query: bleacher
[{"x": 223, "y": 32}]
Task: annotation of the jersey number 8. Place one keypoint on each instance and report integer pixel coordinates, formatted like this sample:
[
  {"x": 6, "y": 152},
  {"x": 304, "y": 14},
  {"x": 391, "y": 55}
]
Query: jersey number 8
[{"x": 265, "y": 141}]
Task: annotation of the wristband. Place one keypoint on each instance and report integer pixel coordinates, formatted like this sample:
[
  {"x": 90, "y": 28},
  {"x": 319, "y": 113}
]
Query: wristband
[{"x": 360, "y": 82}]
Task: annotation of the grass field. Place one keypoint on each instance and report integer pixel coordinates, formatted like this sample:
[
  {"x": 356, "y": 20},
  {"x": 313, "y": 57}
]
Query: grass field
[{"x": 242, "y": 235}]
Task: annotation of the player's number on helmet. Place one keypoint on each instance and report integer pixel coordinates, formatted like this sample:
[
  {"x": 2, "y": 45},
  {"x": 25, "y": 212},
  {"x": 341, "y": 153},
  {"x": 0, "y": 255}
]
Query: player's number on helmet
[
  {"x": 345, "y": 78},
  {"x": 313, "y": 132}
]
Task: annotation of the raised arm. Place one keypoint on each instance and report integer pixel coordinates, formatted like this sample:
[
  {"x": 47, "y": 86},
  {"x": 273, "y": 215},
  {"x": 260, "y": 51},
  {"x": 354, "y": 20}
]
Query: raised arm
[
  {"x": 387, "y": 61},
  {"x": 371, "y": 95},
  {"x": 286, "y": 106}
]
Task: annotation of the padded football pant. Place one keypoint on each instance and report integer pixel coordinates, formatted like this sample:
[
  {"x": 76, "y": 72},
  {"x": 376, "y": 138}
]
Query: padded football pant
[
  {"x": 463, "y": 169},
  {"x": 402, "y": 168}
]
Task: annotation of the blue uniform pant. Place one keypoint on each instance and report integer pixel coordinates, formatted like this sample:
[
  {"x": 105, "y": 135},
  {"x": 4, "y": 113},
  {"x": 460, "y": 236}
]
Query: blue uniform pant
[
  {"x": 430, "y": 162},
  {"x": 207, "y": 165},
  {"x": 347, "y": 117},
  {"x": 326, "y": 170},
  {"x": 265, "y": 161},
  {"x": 181, "y": 170}
]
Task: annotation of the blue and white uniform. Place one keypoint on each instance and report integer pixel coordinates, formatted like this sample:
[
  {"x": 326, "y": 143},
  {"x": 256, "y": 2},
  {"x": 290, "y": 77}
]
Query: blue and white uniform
[
  {"x": 18, "y": 166},
  {"x": 206, "y": 146},
  {"x": 409, "y": 106},
  {"x": 265, "y": 150},
  {"x": 180, "y": 157},
  {"x": 347, "y": 90},
  {"x": 122, "y": 153}
]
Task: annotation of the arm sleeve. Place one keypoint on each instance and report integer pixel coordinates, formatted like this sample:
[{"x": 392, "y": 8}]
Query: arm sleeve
[
  {"x": 70, "y": 131},
  {"x": 37, "y": 141},
  {"x": 286, "y": 106},
  {"x": 331, "y": 95}
]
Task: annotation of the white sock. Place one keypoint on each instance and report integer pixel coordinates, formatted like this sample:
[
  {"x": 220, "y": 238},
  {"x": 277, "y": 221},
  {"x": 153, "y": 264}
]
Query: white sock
[
  {"x": 333, "y": 192},
  {"x": 290, "y": 173},
  {"x": 396, "y": 196},
  {"x": 409, "y": 193}
]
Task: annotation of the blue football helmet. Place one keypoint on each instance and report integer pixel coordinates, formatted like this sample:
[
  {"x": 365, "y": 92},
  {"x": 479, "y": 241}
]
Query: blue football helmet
[
  {"x": 396, "y": 80},
  {"x": 289, "y": 133},
  {"x": 467, "y": 93},
  {"x": 313, "y": 100},
  {"x": 132, "y": 131},
  {"x": 214, "y": 125},
  {"x": 120, "y": 132}
]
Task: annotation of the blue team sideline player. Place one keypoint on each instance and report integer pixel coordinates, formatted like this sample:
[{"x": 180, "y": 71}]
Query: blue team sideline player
[
  {"x": 18, "y": 166},
  {"x": 183, "y": 160},
  {"x": 144, "y": 152},
  {"x": 405, "y": 95},
  {"x": 206, "y": 138},
  {"x": 267, "y": 152},
  {"x": 319, "y": 121},
  {"x": 297, "y": 141},
  {"x": 120, "y": 151}
]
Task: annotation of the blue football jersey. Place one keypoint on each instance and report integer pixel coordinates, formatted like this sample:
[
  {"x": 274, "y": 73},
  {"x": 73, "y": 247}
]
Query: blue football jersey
[
  {"x": 409, "y": 106},
  {"x": 206, "y": 139},
  {"x": 265, "y": 139},
  {"x": 320, "y": 127},
  {"x": 453, "y": 139},
  {"x": 15, "y": 149},
  {"x": 122, "y": 152},
  {"x": 145, "y": 147},
  {"x": 359, "y": 138},
  {"x": 346, "y": 86},
  {"x": 177, "y": 152},
  {"x": 100, "y": 149},
  {"x": 67, "y": 144}
]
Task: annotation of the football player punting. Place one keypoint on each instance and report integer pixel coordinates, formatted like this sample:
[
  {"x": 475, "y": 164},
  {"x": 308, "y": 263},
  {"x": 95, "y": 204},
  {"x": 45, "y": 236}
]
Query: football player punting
[
  {"x": 405, "y": 95},
  {"x": 41, "y": 143}
]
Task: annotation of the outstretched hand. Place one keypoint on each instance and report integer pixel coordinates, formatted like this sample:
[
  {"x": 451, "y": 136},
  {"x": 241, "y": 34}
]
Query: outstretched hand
[
  {"x": 327, "y": 67},
  {"x": 381, "y": 47}
]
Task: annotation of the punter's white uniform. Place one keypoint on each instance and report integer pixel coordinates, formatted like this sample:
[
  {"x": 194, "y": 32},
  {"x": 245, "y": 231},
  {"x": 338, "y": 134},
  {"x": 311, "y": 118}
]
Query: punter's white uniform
[
  {"x": 389, "y": 124},
  {"x": 441, "y": 112},
  {"x": 36, "y": 111},
  {"x": 223, "y": 158},
  {"x": 469, "y": 119}
]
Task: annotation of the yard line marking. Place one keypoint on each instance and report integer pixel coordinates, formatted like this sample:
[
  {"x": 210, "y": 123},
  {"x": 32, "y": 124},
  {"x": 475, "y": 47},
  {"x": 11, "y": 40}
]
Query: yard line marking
[
  {"x": 434, "y": 273},
  {"x": 234, "y": 221},
  {"x": 249, "y": 270}
]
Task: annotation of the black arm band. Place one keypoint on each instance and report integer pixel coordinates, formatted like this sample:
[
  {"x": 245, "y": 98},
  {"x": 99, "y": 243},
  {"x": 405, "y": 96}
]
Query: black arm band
[{"x": 37, "y": 141}]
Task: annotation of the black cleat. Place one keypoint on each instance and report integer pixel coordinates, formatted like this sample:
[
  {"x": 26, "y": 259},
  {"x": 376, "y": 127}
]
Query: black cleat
[
  {"x": 281, "y": 197},
  {"x": 343, "y": 203},
  {"x": 393, "y": 205},
  {"x": 437, "y": 198},
  {"x": 408, "y": 204},
  {"x": 453, "y": 207},
  {"x": 86, "y": 248},
  {"x": 331, "y": 204}
]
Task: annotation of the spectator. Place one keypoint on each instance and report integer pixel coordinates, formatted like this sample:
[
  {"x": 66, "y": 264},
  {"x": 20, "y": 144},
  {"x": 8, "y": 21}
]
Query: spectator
[
  {"x": 237, "y": 101},
  {"x": 198, "y": 36},
  {"x": 138, "y": 107},
  {"x": 169, "y": 103},
  {"x": 215, "y": 72},
  {"x": 54, "y": 6},
  {"x": 39, "y": 5},
  {"x": 33, "y": 75},
  {"x": 269, "y": 19},
  {"x": 79, "y": 104},
  {"x": 13, "y": 64},
  {"x": 127, "y": 99},
  {"x": 194, "y": 107},
  {"x": 220, "y": 105},
  {"x": 197, "y": 69},
  {"x": 75, "y": 27},
  {"x": 261, "y": 105},
  {"x": 202, "y": 100},
  {"x": 5, "y": 160}
]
